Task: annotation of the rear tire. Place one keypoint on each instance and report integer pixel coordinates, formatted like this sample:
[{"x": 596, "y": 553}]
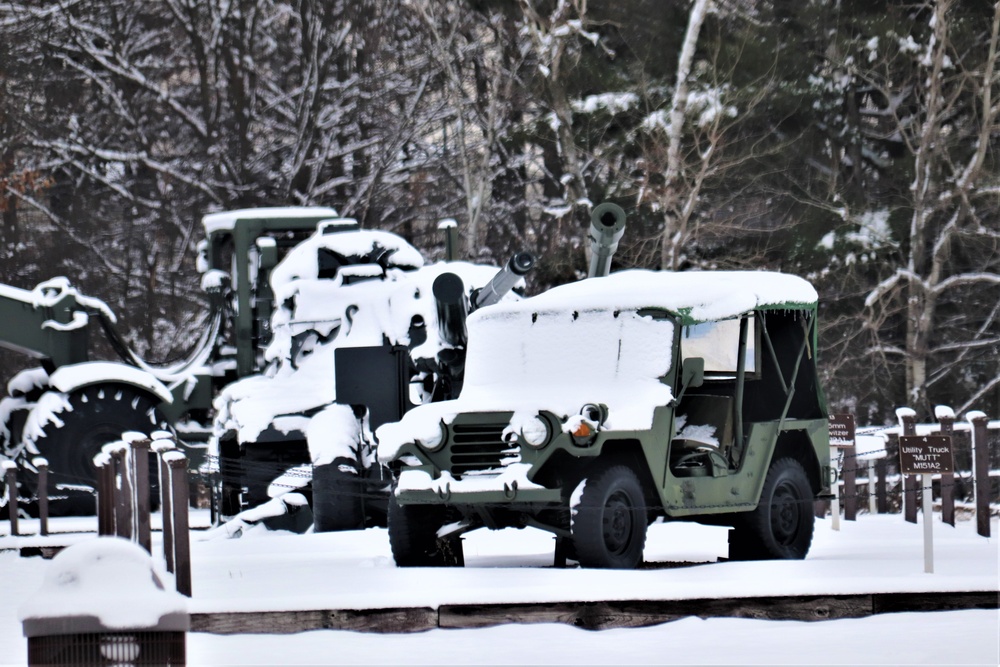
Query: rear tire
[
  {"x": 413, "y": 536},
  {"x": 782, "y": 525},
  {"x": 96, "y": 415},
  {"x": 609, "y": 523}
]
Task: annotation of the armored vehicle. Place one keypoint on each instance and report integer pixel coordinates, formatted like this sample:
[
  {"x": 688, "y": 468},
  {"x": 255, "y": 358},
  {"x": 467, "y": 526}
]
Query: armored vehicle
[{"x": 597, "y": 407}]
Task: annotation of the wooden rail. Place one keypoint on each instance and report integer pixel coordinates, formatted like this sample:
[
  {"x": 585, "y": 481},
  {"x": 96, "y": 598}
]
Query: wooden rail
[{"x": 588, "y": 615}]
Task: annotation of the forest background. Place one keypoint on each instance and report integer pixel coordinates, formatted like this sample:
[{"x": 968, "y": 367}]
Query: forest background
[{"x": 852, "y": 142}]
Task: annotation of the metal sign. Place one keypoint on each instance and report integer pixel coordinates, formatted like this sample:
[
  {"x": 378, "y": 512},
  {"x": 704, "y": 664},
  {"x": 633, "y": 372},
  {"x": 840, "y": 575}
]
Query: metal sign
[
  {"x": 925, "y": 454},
  {"x": 841, "y": 430}
]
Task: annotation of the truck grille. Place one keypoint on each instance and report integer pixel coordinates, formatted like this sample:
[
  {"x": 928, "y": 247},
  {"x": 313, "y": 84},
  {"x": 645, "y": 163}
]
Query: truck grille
[{"x": 476, "y": 447}]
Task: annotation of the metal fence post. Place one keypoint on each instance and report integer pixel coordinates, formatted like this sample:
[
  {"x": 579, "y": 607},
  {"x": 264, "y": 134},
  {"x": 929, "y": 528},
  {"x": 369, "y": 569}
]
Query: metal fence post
[{"x": 981, "y": 467}]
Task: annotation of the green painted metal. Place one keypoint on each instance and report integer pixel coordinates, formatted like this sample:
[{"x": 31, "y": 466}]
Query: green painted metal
[{"x": 719, "y": 481}]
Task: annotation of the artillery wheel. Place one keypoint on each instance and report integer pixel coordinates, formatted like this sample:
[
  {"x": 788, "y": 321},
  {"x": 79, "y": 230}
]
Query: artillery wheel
[
  {"x": 413, "y": 536},
  {"x": 609, "y": 523},
  {"x": 92, "y": 417},
  {"x": 782, "y": 525}
]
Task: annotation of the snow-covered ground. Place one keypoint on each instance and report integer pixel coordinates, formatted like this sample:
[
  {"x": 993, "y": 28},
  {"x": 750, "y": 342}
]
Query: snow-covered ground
[{"x": 267, "y": 570}]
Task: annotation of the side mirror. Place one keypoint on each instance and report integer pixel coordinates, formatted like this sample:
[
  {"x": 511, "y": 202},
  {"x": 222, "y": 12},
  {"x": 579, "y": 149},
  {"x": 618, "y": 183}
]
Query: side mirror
[{"x": 693, "y": 372}]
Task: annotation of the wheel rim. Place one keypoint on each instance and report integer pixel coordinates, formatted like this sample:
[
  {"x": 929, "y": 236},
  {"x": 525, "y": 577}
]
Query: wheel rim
[
  {"x": 785, "y": 509},
  {"x": 618, "y": 524}
]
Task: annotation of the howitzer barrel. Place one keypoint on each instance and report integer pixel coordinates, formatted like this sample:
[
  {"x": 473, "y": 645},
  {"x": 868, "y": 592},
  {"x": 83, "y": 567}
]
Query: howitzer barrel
[
  {"x": 607, "y": 224},
  {"x": 452, "y": 307},
  {"x": 517, "y": 266}
]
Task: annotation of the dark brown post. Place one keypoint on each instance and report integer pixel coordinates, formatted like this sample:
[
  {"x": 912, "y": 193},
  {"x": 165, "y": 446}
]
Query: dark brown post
[
  {"x": 140, "y": 477},
  {"x": 161, "y": 447},
  {"x": 981, "y": 468},
  {"x": 850, "y": 473},
  {"x": 123, "y": 495},
  {"x": 105, "y": 494},
  {"x": 10, "y": 475},
  {"x": 881, "y": 484},
  {"x": 179, "y": 503},
  {"x": 908, "y": 422},
  {"x": 42, "y": 466},
  {"x": 946, "y": 417}
]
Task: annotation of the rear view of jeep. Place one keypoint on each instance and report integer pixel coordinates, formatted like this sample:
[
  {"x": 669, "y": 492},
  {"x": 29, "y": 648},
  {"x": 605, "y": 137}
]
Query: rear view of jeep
[{"x": 597, "y": 407}]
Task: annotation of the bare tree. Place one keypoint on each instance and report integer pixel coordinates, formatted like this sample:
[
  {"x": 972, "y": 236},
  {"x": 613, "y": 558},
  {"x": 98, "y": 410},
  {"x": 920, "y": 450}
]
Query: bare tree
[{"x": 952, "y": 221}]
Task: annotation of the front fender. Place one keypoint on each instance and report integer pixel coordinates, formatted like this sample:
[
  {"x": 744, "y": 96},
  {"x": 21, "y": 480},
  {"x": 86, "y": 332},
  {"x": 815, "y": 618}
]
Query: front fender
[{"x": 75, "y": 376}]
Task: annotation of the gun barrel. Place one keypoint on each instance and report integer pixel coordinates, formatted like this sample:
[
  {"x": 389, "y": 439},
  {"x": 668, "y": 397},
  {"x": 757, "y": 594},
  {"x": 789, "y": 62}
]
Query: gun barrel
[
  {"x": 607, "y": 224},
  {"x": 452, "y": 307},
  {"x": 516, "y": 268}
]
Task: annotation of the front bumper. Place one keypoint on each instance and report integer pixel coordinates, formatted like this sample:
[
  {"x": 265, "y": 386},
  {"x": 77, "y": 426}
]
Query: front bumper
[{"x": 418, "y": 485}]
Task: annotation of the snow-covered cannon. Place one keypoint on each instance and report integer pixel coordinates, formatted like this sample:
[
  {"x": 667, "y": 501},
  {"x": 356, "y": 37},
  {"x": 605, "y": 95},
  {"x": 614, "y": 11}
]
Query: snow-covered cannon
[{"x": 607, "y": 224}]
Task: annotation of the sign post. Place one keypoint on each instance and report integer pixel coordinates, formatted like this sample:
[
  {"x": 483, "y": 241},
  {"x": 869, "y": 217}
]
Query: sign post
[
  {"x": 842, "y": 430},
  {"x": 926, "y": 455}
]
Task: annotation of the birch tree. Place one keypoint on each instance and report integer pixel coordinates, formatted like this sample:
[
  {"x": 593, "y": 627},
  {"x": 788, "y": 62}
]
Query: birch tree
[{"x": 947, "y": 291}]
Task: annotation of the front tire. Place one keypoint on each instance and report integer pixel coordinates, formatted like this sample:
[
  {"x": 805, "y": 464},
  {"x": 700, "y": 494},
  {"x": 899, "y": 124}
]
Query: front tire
[
  {"x": 608, "y": 524},
  {"x": 93, "y": 416},
  {"x": 782, "y": 525},
  {"x": 413, "y": 536}
]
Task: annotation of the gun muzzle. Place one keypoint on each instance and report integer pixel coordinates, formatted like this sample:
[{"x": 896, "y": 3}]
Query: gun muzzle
[
  {"x": 607, "y": 224},
  {"x": 452, "y": 307},
  {"x": 517, "y": 266}
]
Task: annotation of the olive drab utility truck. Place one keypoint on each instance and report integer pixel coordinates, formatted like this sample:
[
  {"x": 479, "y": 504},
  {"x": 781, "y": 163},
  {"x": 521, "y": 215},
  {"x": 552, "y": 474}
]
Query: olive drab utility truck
[
  {"x": 71, "y": 405},
  {"x": 599, "y": 406}
]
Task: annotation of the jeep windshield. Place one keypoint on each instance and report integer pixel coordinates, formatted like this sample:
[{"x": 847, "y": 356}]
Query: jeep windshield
[{"x": 559, "y": 360}]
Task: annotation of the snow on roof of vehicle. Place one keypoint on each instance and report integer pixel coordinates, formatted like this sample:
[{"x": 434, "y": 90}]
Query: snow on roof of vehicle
[
  {"x": 214, "y": 222},
  {"x": 363, "y": 246},
  {"x": 698, "y": 296}
]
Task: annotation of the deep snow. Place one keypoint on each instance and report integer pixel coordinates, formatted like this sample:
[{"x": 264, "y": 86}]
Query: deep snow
[{"x": 267, "y": 570}]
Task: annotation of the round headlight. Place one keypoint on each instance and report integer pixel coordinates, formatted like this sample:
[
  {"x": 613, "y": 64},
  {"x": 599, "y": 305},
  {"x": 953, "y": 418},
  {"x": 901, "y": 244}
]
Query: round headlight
[
  {"x": 433, "y": 442},
  {"x": 535, "y": 432}
]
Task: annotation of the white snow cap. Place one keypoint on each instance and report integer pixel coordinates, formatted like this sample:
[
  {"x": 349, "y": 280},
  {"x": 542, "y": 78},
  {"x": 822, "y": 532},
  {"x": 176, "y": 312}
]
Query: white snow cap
[
  {"x": 973, "y": 415},
  {"x": 943, "y": 412},
  {"x": 227, "y": 219},
  {"x": 702, "y": 295},
  {"x": 109, "y": 578}
]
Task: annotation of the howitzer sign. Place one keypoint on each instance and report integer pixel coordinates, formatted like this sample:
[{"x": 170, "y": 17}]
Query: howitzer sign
[
  {"x": 925, "y": 454},
  {"x": 842, "y": 430}
]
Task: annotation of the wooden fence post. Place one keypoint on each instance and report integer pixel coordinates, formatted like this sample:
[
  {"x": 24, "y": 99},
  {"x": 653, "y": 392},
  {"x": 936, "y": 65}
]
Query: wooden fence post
[
  {"x": 981, "y": 467},
  {"x": 105, "y": 493},
  {"x": 161, "y": 446},
  {"x": 139, "y": 468},
  {"x": 182, "y": 537},
  {"x": 42, "y": 466},
  {"x": 881, "y": 487},
  {"x": 10, "y": 475},
  {"x": 872, "y": 505},
  {"x": 122, "y": 493},
  {"x": 850, "y": 470},
  {"x": 946, "y": 418},
  {"x": 908, "y": 424}
]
